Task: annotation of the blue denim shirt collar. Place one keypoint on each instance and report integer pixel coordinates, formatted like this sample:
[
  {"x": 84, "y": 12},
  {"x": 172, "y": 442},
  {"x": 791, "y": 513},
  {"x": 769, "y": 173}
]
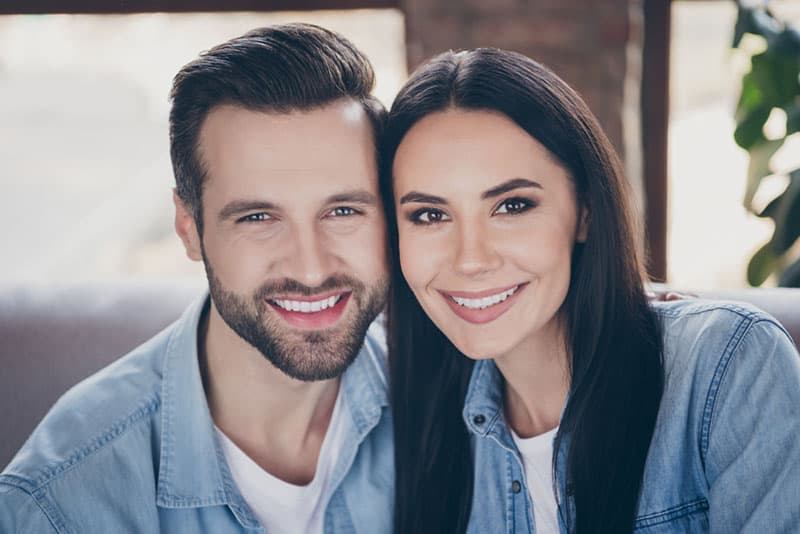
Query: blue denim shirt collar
[
  {"x": 484, "y": 416},
  {"x": 187, "y": 430},
  {"x": 483, "y": 406}
]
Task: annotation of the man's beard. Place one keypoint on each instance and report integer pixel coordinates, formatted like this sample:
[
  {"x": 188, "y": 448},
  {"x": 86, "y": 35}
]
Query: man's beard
[{"x": 303, "y": 355}]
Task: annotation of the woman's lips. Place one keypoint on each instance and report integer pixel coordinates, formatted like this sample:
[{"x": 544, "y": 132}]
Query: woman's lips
[{"x": 482, "y": 315}]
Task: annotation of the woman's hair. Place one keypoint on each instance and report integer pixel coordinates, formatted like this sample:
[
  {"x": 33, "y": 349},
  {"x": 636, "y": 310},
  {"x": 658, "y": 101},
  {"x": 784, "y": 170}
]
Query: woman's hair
[{"x": 613, "y": 336}]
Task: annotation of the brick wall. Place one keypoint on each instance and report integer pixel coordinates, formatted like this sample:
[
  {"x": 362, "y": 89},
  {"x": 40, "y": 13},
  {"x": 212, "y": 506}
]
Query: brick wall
[{"x": 584, "y": 41}]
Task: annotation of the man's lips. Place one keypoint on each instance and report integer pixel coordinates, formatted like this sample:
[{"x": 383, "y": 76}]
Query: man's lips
[
  {"x": 311, "y": 312},
  {"x": 311, "y": 298}
]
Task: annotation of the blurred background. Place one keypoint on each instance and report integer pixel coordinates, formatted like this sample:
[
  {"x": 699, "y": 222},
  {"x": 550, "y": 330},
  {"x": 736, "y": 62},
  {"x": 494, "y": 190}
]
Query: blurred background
[{"x": 85, "y": 176}]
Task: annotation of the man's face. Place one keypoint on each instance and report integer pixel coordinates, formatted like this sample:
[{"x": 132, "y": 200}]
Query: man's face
[{"x": 293, "y": 232}]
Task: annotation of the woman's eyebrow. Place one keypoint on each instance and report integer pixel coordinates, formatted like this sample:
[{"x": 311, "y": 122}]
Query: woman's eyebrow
[
  {"x": 510, "y": 185},
  {"x": 415, "y": 196}
]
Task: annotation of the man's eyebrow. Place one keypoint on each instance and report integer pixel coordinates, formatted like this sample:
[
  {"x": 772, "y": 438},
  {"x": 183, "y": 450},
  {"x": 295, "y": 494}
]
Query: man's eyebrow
[
  {"x": 354, "y": 197},
  {"x": 510, "y": 185},
  {"x": 416, "y": 196},
  {"x": 237, "y": 207}
]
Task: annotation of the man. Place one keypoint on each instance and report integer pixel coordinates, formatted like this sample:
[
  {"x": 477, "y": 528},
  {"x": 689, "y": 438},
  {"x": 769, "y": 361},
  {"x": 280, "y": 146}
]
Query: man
[{"x": 264, "y": 408}]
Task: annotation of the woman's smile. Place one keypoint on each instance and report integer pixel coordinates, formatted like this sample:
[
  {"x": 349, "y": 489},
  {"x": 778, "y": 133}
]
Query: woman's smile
[{"x": 481, "y": 307}]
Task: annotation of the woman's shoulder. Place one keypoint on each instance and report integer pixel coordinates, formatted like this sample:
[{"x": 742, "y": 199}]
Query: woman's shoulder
[
  {"x": 727, "y": 419},
  {"x": 702, "y": 338},
  {"x": 690, "y": 321}
]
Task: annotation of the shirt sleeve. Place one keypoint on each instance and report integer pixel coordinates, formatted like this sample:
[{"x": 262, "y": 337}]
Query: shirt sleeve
[
  {"x": 752, "y": 450},
  {"x": 21, "y": 514}
]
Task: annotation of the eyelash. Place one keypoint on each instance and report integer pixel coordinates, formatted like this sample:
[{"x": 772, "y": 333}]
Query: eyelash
[
  {"x": 524, "y": 205},
  {"x": 260, "y": 217},
  {"x": 352, "y": 211},
  {"x": 255, "y": 218},
  {"x": 416, "y": 216}
]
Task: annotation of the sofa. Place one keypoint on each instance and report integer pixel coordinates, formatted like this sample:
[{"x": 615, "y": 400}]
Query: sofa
[{"x": 51, "y": 337}]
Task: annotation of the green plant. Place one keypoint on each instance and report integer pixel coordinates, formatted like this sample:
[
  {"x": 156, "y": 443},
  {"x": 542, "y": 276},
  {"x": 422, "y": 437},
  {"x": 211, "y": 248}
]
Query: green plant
[{"x": 772, "y": 83}]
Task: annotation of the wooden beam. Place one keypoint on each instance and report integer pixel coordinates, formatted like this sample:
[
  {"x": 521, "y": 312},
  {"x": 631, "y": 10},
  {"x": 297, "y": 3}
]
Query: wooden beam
[
  {"x": 109, "y": 7},
  {"x": 655, "y": 124}
]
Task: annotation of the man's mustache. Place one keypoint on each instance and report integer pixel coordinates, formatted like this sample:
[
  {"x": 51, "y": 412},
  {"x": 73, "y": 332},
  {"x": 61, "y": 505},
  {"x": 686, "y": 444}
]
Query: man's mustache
[{"x": 293, "y": 287}]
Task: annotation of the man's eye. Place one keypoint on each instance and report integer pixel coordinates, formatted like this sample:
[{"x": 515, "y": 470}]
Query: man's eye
[
  {"x": 428, "y": 216},
  {"x": 513, "y": 206},
  {"x": 255, "y": 217},
  {"x": 342, "y": 211}
]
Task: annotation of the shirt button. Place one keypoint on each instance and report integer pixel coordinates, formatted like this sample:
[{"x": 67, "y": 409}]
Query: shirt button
[
  {"x": 479, "y": 419},
  {"x": 516, "y": 487}
]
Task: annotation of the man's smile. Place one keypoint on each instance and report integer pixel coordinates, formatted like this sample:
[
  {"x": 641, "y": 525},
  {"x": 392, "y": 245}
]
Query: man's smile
[{"x": 314, "y": 312}]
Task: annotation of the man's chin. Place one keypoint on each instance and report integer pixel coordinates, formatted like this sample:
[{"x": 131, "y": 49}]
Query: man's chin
[{"x": 311, "y": 360}]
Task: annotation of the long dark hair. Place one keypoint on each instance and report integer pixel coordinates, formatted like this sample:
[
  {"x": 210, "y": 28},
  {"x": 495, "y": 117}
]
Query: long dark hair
[{"x": 613, "y": 336}]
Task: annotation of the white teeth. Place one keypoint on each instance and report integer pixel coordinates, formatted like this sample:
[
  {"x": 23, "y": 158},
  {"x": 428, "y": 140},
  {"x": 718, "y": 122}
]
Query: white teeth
[
  {"x": 485, "y": 302},
  {"x": 304, "y": 306}
]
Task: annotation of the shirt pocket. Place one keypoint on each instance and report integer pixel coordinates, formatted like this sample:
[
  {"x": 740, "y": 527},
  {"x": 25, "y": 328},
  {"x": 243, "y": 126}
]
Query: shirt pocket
[{"x": 689, "y": 517}]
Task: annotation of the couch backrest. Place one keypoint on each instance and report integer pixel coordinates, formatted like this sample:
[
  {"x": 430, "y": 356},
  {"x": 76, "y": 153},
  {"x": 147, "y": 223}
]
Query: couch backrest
[{"x": 53, "y": 337}]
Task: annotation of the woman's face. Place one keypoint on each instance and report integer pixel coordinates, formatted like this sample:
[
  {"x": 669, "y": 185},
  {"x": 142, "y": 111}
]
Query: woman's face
[{"x": 487, "y": 220}]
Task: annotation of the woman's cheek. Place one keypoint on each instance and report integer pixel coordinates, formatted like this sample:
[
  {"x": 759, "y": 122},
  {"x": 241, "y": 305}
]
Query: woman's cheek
[{"x": 420, "y": 258}]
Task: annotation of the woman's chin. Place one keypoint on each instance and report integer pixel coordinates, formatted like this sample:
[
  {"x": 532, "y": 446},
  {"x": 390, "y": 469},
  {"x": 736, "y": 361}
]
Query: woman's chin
[{"x": 478, "y": 351}]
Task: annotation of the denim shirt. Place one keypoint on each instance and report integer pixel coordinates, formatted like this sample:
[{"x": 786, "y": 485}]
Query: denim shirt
[
  {"x": 725, "y": 454},
  {"x": 133, "y": 449}
]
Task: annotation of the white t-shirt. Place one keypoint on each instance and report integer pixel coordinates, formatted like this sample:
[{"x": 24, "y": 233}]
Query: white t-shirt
[
  {"x": 537, "y": 459},
  {"x": 281, "y": 506}
]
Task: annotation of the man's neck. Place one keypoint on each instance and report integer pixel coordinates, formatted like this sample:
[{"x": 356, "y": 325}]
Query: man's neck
[{"x": 278, "y": 421}]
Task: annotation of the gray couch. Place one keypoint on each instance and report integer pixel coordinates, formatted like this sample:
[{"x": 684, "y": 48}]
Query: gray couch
[{"x": 52, "y": 337}]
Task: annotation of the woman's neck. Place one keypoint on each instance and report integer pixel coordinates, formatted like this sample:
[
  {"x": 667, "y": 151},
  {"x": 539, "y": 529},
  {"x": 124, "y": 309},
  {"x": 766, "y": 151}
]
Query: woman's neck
[{"x": 537, "y": 381}]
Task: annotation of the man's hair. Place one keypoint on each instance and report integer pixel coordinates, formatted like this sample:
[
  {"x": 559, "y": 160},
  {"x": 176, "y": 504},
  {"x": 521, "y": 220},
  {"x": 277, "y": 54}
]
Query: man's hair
[{"x": 276, "y": 69}]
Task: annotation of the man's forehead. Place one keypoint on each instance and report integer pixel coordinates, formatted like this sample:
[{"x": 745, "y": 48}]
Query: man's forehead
[
  {"x": 344, "y": 117},
  {"x": 318, "y": 151}
]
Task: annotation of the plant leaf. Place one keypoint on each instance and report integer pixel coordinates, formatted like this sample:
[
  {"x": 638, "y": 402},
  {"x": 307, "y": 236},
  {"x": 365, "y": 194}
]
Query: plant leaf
[
  {"x": 743, "y": 25},
  {"x": 791, "y": 275},
  {"x": 758, "y": 168},
  {"x": 787, "y": 216},
  {"x": 761, "y": 265},
  {"x": 772, "y": 208},
  {"x": 777, "y": 77},
  {"x": 793, "y": 117},
  {"x": 787, "y": 42},
  {"x": 750, "y": 129}
]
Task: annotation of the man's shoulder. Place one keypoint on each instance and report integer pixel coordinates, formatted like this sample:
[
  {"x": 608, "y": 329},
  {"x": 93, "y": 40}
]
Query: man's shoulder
[{"x": 98, "y": 413}]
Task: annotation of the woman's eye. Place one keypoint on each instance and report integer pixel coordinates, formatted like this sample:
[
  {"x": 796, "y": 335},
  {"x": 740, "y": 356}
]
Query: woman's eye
[
  {"x": 255, "y": 217},
  {"x": 428, "y": 216},
  {"x": 514, "y": 205}
]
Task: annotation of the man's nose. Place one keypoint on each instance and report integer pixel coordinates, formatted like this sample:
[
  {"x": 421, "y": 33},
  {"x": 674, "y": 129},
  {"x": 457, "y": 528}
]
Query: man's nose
[{"x": 310, "y": 261}]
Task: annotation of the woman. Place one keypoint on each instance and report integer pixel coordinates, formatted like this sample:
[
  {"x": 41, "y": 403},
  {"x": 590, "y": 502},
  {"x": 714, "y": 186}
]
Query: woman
[{"x": 533, "y": 383}]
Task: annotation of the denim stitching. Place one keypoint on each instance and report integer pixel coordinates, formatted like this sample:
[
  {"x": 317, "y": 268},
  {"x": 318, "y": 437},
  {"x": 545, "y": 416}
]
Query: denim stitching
[
  {"x": 116, "y": 430},
  {"x": 682, "y": 510}
]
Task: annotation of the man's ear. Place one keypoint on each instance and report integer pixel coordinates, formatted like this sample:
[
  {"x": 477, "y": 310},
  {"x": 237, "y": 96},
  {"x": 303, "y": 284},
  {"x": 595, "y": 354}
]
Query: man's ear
[
  {"x": 186, "y": 228},
  {"x": 583, "y": 226}
]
